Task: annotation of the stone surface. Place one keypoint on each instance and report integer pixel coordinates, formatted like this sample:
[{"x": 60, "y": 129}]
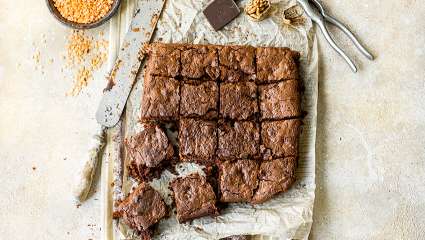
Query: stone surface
[{"x": 370, "y": 138}]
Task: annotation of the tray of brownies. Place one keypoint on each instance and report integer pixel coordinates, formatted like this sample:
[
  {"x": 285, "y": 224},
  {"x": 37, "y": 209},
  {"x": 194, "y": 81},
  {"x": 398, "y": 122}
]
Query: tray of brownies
[{"x": 217, "y": 139}]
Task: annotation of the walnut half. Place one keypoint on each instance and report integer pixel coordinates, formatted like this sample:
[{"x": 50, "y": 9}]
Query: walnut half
[{"x": 258, "y": 9}]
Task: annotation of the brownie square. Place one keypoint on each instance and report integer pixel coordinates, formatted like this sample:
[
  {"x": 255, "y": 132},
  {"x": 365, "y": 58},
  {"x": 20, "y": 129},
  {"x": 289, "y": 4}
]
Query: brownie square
[
  {"x": 275, "y": 176},
  {"x": 142, "y": 208},
  {"x": 164, "y": 60},
  {"x": 280, "y": 100},
  {"x": 238, "y": 101},
  {"x": 160, "y": 99},
  {"x": 280, "y": 138},
  {"x": 237, "y": 180},
  {"x": 199, "y": 99},
  {"x": 194, "y": 197},
  {"x": 197, "y": 140},
  {"x": 238, "y": 140},
  {"x": 276, "y": 64},
  {"x": 149, "y": 152},
  {"x": 199, "y": 61},
  {"x": 237, "y": 63}
]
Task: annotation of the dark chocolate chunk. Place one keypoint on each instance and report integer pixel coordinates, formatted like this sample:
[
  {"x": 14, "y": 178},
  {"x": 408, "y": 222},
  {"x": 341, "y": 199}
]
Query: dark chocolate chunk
[{"x": 220, "y": 12}]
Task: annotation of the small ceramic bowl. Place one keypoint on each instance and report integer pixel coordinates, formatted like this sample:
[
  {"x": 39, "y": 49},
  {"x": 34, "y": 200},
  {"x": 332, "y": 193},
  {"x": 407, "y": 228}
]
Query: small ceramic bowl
[{"x": 60, "y": 18}]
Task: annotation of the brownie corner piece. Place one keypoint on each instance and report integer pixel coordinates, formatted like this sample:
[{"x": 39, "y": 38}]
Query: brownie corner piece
[
  {"x": 197, "y": 140},
  {"x": 276, "y": 64},
  {"x": 149, "y": 152},
  {"x": 199, "y": 61},
  {"x": 161, "y": 98},
  {"x": 142, "y": 208},
  {"x": 280, "y": 100},
  {"x": 194, "y": 197},
  {"x": 280, "y": 138},
  {"x": 275, "y": 176},
  {"x": 238, "y": 101},
  {"x": 238, "y": 140},
  {"x": 238, "y": 180},
  {"x": 164, "y": 59},
  {"x": 199, "y": 99}
]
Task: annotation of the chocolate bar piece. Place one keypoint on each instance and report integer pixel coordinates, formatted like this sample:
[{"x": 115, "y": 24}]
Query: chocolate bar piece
[{"x": 220, "y": 12}]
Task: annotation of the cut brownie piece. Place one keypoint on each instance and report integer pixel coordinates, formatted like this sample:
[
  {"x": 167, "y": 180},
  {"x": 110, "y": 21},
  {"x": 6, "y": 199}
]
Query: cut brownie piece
[
  {"x": 199, "y": 99},
  {"x": 160, "y": 99},
  {"x": 164, "y": 60},
  {"x": 194, "y": 197},
  {"x": 280, "y": 138},
  {"x": 238, "y": 180},
  {"x": 276, "y": 64},
  {"x": 238, "y": 140},
  {"x": 275, "y": 176},
  {"x": 238, "y": 101},
  {"x": 147, "y": 151},
  {"x": 237, "y": 63},
  {"x": 142, "y": 208},
  {"x": 197, "y": 140},
  {"x": 280, "y": 100},
  {"x": 200, "y": 60}
]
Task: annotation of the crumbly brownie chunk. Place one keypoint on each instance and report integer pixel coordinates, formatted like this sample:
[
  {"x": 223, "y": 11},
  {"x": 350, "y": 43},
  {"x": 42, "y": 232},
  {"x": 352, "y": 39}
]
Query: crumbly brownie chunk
[
  {"x": 238, "y": 100},
  {"x": 275, "y": 64},
  {"x": 275, "y": 176},
  {"x": 194, "y": 197},
  {"x": 237, "y": 63},
  {"x": 197, "y": 140},
  {"x": 164, "y": 60},
  {"x": 198, "y": 61},
  {"x": 238, "y": 140},
  {"x": 160, "y": 98},
  {"x": 149, "y": 147},
  {"x": 199, "y": 99},
  {"x": 280, "y": 100},
  {"x": 280, "y": 138},
  {"x": 142, "y": 208},
  {"x": 238, "y": 180}
]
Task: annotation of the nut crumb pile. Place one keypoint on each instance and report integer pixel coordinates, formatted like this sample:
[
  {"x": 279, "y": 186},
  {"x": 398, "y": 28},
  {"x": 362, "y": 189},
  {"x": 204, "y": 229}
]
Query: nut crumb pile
[
  {"x": 83, "y": 11},
  {"x": 88, "y": 55}
]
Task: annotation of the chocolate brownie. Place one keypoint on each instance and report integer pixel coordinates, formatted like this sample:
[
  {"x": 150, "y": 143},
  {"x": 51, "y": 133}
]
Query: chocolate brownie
[
  {"x": 199, "y": 61},
  {"x": 194, "y": 197},
  {"x": 280, "y": 100},
  {"x": 275, "y": 176},
  {"x": 197, "y": 140},
  {"x": 160, "y": 99},
  {"x": 238, "y": 140},
  {"x": 276, "y": 64},
  {"x": 238, "y": 101},
  {"x": 237, "y": 63},
  {"x": 199, "y": 99},
  {"x": 280, "y": 138},
  {"x": 142, "y": 208},
  {"x": 237, "y": 180},
  {"x": 164, "y": 60},
  {"x": 147, "y": 151}
]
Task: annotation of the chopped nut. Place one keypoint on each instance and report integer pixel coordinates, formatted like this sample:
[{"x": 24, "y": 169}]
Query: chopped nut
[
  {"x": 83, "y": 11},
  {"x": 258, "y": 9}
]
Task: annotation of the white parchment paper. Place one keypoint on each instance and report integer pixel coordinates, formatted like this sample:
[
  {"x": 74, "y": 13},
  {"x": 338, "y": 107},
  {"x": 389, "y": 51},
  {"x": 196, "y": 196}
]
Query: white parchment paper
[{"x": 287, "y": 216}]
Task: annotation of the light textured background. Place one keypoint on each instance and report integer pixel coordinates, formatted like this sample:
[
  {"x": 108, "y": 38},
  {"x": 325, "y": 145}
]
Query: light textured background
[{"x": 371, "y": 129}]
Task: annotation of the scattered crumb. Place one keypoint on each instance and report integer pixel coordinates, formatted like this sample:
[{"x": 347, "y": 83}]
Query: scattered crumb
[
  {"x": 82, "y": 79},
  {"x": 34, "y": 168},
  {"x": 78, "y": 205},
  {"x": 36, "y": 57},
  {"x": 87, "y": 54}
]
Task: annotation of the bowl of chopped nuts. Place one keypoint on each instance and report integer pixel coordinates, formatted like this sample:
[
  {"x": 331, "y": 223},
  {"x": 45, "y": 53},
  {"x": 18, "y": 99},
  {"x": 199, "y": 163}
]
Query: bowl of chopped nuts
[{"x": 83, "y": 14}]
